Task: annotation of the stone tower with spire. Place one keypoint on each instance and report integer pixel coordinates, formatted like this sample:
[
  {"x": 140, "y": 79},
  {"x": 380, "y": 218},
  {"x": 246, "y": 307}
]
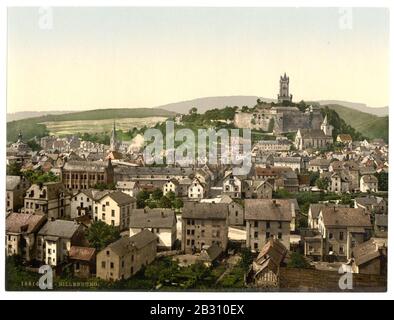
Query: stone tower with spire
[
  {"x": 326, "y": 127},
  {"x": 113, "y": 142},
  {"x": 284, "y": 89}
]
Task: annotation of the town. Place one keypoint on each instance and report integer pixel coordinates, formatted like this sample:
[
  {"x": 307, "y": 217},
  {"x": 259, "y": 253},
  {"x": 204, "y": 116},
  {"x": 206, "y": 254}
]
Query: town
[{"x": 314, "y": 202}]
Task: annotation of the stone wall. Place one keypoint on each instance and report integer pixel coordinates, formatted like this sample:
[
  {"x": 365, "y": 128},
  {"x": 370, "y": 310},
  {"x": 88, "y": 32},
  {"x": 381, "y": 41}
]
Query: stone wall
[{"x": 327, "y": 281}]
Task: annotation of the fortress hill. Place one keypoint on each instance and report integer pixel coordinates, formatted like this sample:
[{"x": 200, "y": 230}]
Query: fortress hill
[{"x": 281, "y": 117}]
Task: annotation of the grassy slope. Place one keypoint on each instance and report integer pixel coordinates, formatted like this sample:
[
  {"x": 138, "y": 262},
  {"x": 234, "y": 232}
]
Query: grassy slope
[
  {"x": 31, "y": 127},
  {"x": 369, "y": 125}
]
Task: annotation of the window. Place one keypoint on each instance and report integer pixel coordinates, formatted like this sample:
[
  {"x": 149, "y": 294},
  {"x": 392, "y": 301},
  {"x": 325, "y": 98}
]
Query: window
[
  {"x": 255, "y": 245},
  {"x": 280, "y": 224},
  {"x": 256, "y": 224},
  {"x": 112, "y": 265},
  {"x": 341, "y": 250},
  {"x": 267, "y": 235},
  {"x": 330, "y": 236},
  {"x": 188, "y": 232},
  {"x": 103, "y": 264},
  {"x": 280, "y": 235},
  {"x": 256, "y": 234},
  {"x": 268, "y": 224},
  {"x": 341, "y": 235},
  {"x": 112, "y": 213}
]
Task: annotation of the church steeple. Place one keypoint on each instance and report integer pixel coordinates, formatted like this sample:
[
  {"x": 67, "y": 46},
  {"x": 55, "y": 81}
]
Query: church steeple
[
  {"x": 326, "y": 127},
  {"x": 113, "y": 142}
]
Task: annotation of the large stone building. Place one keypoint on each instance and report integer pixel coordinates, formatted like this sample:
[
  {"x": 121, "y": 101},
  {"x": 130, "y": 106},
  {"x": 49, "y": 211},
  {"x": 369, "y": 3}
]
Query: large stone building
[
  {"x": 49, "y": 198},
  {"x": 126, "y": 256},
  {"x": 78, "y": 175},
  {"x": 266, "y": 219},
  {"x": 204, "y": 224},
  {"x": 284, "y": 95}
]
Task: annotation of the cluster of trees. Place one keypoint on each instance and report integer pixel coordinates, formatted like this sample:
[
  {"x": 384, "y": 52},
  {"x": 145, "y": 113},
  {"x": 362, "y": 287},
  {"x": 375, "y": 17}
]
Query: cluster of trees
[
  {"x": 38, "y": 176},
  {"x": 105, "y": 186},
  {"x": 157, "y": 199},
  {"x": 101, "y": 234}
]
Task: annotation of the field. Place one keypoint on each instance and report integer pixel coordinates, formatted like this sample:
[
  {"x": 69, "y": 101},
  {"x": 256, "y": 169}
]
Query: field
[
  {"x": 93, "y": 126},
  {"x": 367, "y": 124}
]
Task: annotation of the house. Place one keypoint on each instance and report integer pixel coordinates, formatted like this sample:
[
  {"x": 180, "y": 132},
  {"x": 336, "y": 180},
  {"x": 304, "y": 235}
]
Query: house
[
  {"x": 381, "y": 225},
  {"x": 318, "y": 165},
  {"x": 294, "y": 163},
  {"x": 78, "y": 175},
  {"x": 344, "y": 138},
  {"x": 114, "y": 209},
  {"x": 265, "y": 268},
  {"x": 257, "y": 189},
  {"x": 16, "y": 187},
  {"x": 314, "y": 211},
  {"x": 342, "y": 229},
  {"x": 265, "y": 219},
  {"x": 197, "y": 190},
  {"x": 235, "y": 209},
  {"x": 277, "y": 145},
  {"x": 338, "y": 182},
  {"x": 83, "y": 260},
  {"x": 21, "y": 231},
  {"x": 210, "y": 254},
  {"x": 132, "y": 188},
  {"x": 161, "y": 222},
  {"x": 373, "y": 204},
  {"x": 55, "y": 238},
  {"x": 368, "y": 183},
  {"x": 370, "y": 257},
  {"x": 204, "y": 224},
  {"x": 49, "y": 198},
  {"x": 171, "y": 186},
  {"x": 232, "y": 185},
  {"x": 126, "y": 256},
  {"x": 82, "y": 202}
]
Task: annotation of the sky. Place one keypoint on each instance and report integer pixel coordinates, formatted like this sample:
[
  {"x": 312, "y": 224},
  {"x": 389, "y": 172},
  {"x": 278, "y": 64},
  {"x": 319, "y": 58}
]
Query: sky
[{"x": 86, "y": 58}]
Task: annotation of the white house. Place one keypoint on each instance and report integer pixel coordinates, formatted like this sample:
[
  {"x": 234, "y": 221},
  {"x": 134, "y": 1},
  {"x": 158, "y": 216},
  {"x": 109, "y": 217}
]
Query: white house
[
  {"x": 114, "y": 209},
  {"x": 368, "y": 183},
  {"x": 129, "y": 187},
  {"x": 196, "y": 190},
  {"x": 161, "y": 222},
  {"x": 83, "y": 201},
  {"x": 232, "y": 185},
  {"x": 171, "y": 186}
]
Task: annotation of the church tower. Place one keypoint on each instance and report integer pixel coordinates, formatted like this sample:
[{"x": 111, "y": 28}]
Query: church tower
[
  {"x": 326, "y": 127},
  {"x": 284, "y": 89},
  {"x": 113, "y": 142}
]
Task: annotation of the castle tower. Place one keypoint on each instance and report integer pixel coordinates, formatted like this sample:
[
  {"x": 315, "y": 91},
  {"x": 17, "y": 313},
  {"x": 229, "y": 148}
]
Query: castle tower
[
  {"x": 326, "y": 127},
  {"x": 113, "y": 142},
  {"x": 284, "y": 89}
]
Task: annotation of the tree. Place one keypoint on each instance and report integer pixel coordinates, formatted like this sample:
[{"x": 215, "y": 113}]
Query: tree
[
  {"x": 38, "y": 176},
  {"x": 164, "y": 202},
  {"x": 346, "y": 199},
  {"x": 14, "y": 169},
  {"x": 142, "y": 196},
  {"x": 193, "y": 110},
  {"x": 178, "y": 203},
  {"x": 298, "y": 261},
  {"x": 246, "y": 258},
  {"x": 101, "y": 234},
  {"x": 170, "y": 195},
  {"x": 157, "y": 194},
  {"x": 313, "y": 178},
  {"x": 322, "y": 183},
  {"x": 383, "y": 181}
]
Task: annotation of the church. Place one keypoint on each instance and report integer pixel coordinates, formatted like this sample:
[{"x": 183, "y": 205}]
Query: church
[{"x": 312, "y": 138}]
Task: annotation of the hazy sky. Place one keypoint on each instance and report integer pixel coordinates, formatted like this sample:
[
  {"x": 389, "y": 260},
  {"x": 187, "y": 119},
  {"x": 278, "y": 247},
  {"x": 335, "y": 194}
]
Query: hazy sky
[{"x": 145, "y": 57}]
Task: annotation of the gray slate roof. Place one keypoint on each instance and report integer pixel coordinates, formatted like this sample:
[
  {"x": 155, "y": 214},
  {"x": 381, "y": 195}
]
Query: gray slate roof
[
  {"x": 152, "y": 218},
  {"x": 212, "y": 211},
  {"x": 127, "y": 244},
  {"x": 346, "y": 217},
  {"x": 268, "y": 209},
  {"x": 59, "y": 228}
]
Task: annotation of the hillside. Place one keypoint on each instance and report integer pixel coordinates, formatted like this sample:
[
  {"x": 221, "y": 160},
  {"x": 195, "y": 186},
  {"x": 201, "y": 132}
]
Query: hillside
[
  {"x": 34, "y": 126},
  {"x": 31, "y": 114},
  {"x": 367, "y": 124},
  {"x": 362, "y": 107},
  {"x": 204, "y": 104}
]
